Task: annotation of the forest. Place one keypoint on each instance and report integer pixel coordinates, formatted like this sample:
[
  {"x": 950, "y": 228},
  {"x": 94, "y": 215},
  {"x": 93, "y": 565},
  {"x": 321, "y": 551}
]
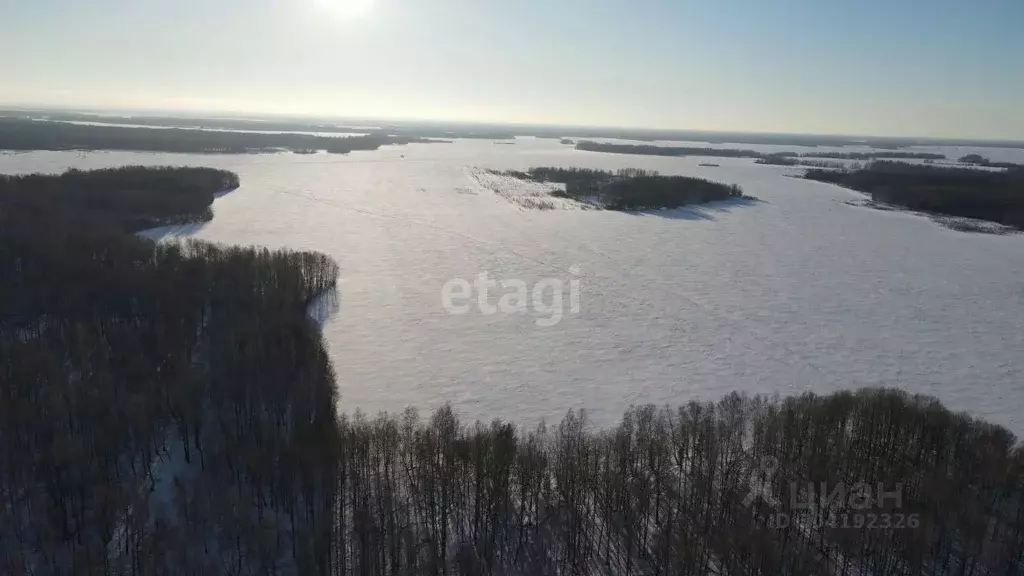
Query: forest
[
  {"x": 668, "y": 491},
  {"x": 23, "y": 134},
  {"x": 876, "y": 155},
  {"x": 161, "y": 404},
  {"x": 773, "y": 158},
  {"x": 996, "y": 196},
  {"x": 119, "y": 200},
  {"x": 979, "y": 160},
  {"x": 832, "y": 164},
  {"x": 780, "y": 159},
  {"x": 629, "y": 189},
  {"x": 776, "y": 160},
  {"x": 170, "y": 408}
]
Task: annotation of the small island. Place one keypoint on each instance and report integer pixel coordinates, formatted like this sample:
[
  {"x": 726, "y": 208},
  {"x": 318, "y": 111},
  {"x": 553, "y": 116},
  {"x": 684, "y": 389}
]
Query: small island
[
  {"x": 979, "y": 160},
  {"x": 780, "y": 159},
  {"x": 628, "y": 189},
  {"x": 954, "y": 194}
]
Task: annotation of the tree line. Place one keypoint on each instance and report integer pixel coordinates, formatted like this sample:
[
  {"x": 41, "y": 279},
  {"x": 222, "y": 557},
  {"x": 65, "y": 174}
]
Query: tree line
[
  {"x": 631, "y": 188},
  {"x": 779, "y": 159},
  {"x": 875, "y": 155},
  {"x": 785, "y": 158},
  {"x": 220, "y": 123},
  {"x": 126, "y": 199},
  {"x": 831, "y": 164},
  {"x": 23, "y": 134},
  {"x": 652, "y": 150},
  {"x": 979, "y": 160},
  {"x": 997, "y": 196},
  {"x": 695, "y": 489}
]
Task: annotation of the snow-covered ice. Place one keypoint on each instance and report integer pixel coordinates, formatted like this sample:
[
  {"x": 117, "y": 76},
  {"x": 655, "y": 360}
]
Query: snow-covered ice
[{"x": 798, "y": 292}]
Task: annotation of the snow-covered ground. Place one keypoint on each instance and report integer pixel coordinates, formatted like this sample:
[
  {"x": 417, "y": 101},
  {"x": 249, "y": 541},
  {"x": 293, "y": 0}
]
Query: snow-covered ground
[{"x": 798, "y": 292}]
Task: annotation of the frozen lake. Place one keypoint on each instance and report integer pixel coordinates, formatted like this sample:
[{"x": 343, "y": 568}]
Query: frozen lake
[{"x": 799, "y": 292}]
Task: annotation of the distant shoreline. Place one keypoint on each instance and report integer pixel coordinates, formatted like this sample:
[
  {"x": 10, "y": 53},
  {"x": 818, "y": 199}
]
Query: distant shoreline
[
  {"x": 496, "y": 131},
  {"x": 787, "y": 158},
  {"x": 21, "y": 134}
]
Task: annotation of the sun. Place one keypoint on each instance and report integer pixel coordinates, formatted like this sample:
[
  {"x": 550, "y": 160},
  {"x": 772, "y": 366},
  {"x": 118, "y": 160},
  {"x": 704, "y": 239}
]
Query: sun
[{"x": 347, "y": 9}]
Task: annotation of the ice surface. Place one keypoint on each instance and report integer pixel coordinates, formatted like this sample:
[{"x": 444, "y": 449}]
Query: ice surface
[{"x": 798, "y": 292}]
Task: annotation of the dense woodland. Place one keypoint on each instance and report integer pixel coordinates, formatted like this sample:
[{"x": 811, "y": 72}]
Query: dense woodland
[
  {"x": 831, "y": 164},
  {"x": 997, "y": 196},
  {"x": 170, "y": 409},
  {"x": 876, "y": 155},
  {"x": 783, "y": 160},
  {"x": 164, "y": 408},
  {"x": 668, "y": 490},
  {"x": 630, "y": 189},
  {"x": 651, "y": 150},
  {"x": 22, "y": 134},
  {"x": 774, "y": 158},
  {"x": 979, "y": 160},
  {"x": 115, "y": 200},
  {"x": 780, "y": 159}
]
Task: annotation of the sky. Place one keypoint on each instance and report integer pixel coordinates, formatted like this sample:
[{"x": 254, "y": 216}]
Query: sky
[{"x": 872, "y": 67}]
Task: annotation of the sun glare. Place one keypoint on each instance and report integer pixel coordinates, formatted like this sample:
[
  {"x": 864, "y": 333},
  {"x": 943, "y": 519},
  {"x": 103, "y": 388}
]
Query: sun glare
[{"x": 347, "y": 9}]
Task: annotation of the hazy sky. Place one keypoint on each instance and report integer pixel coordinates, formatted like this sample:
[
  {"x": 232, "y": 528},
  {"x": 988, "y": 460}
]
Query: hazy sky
[{"x": 885, "y": 67}]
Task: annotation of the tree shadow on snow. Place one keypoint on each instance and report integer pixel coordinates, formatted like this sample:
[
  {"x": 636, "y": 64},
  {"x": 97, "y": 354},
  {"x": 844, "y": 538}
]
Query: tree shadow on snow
[
  {"x": 324, "y": 306},
  {"x": 707, "y": 211},
  {"x": 173, "y": 231},
  {"x": 224, "y": 192}
]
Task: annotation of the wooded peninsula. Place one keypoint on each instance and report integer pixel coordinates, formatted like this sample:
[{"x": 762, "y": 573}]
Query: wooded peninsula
[{"x": 993, "y": 195}]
